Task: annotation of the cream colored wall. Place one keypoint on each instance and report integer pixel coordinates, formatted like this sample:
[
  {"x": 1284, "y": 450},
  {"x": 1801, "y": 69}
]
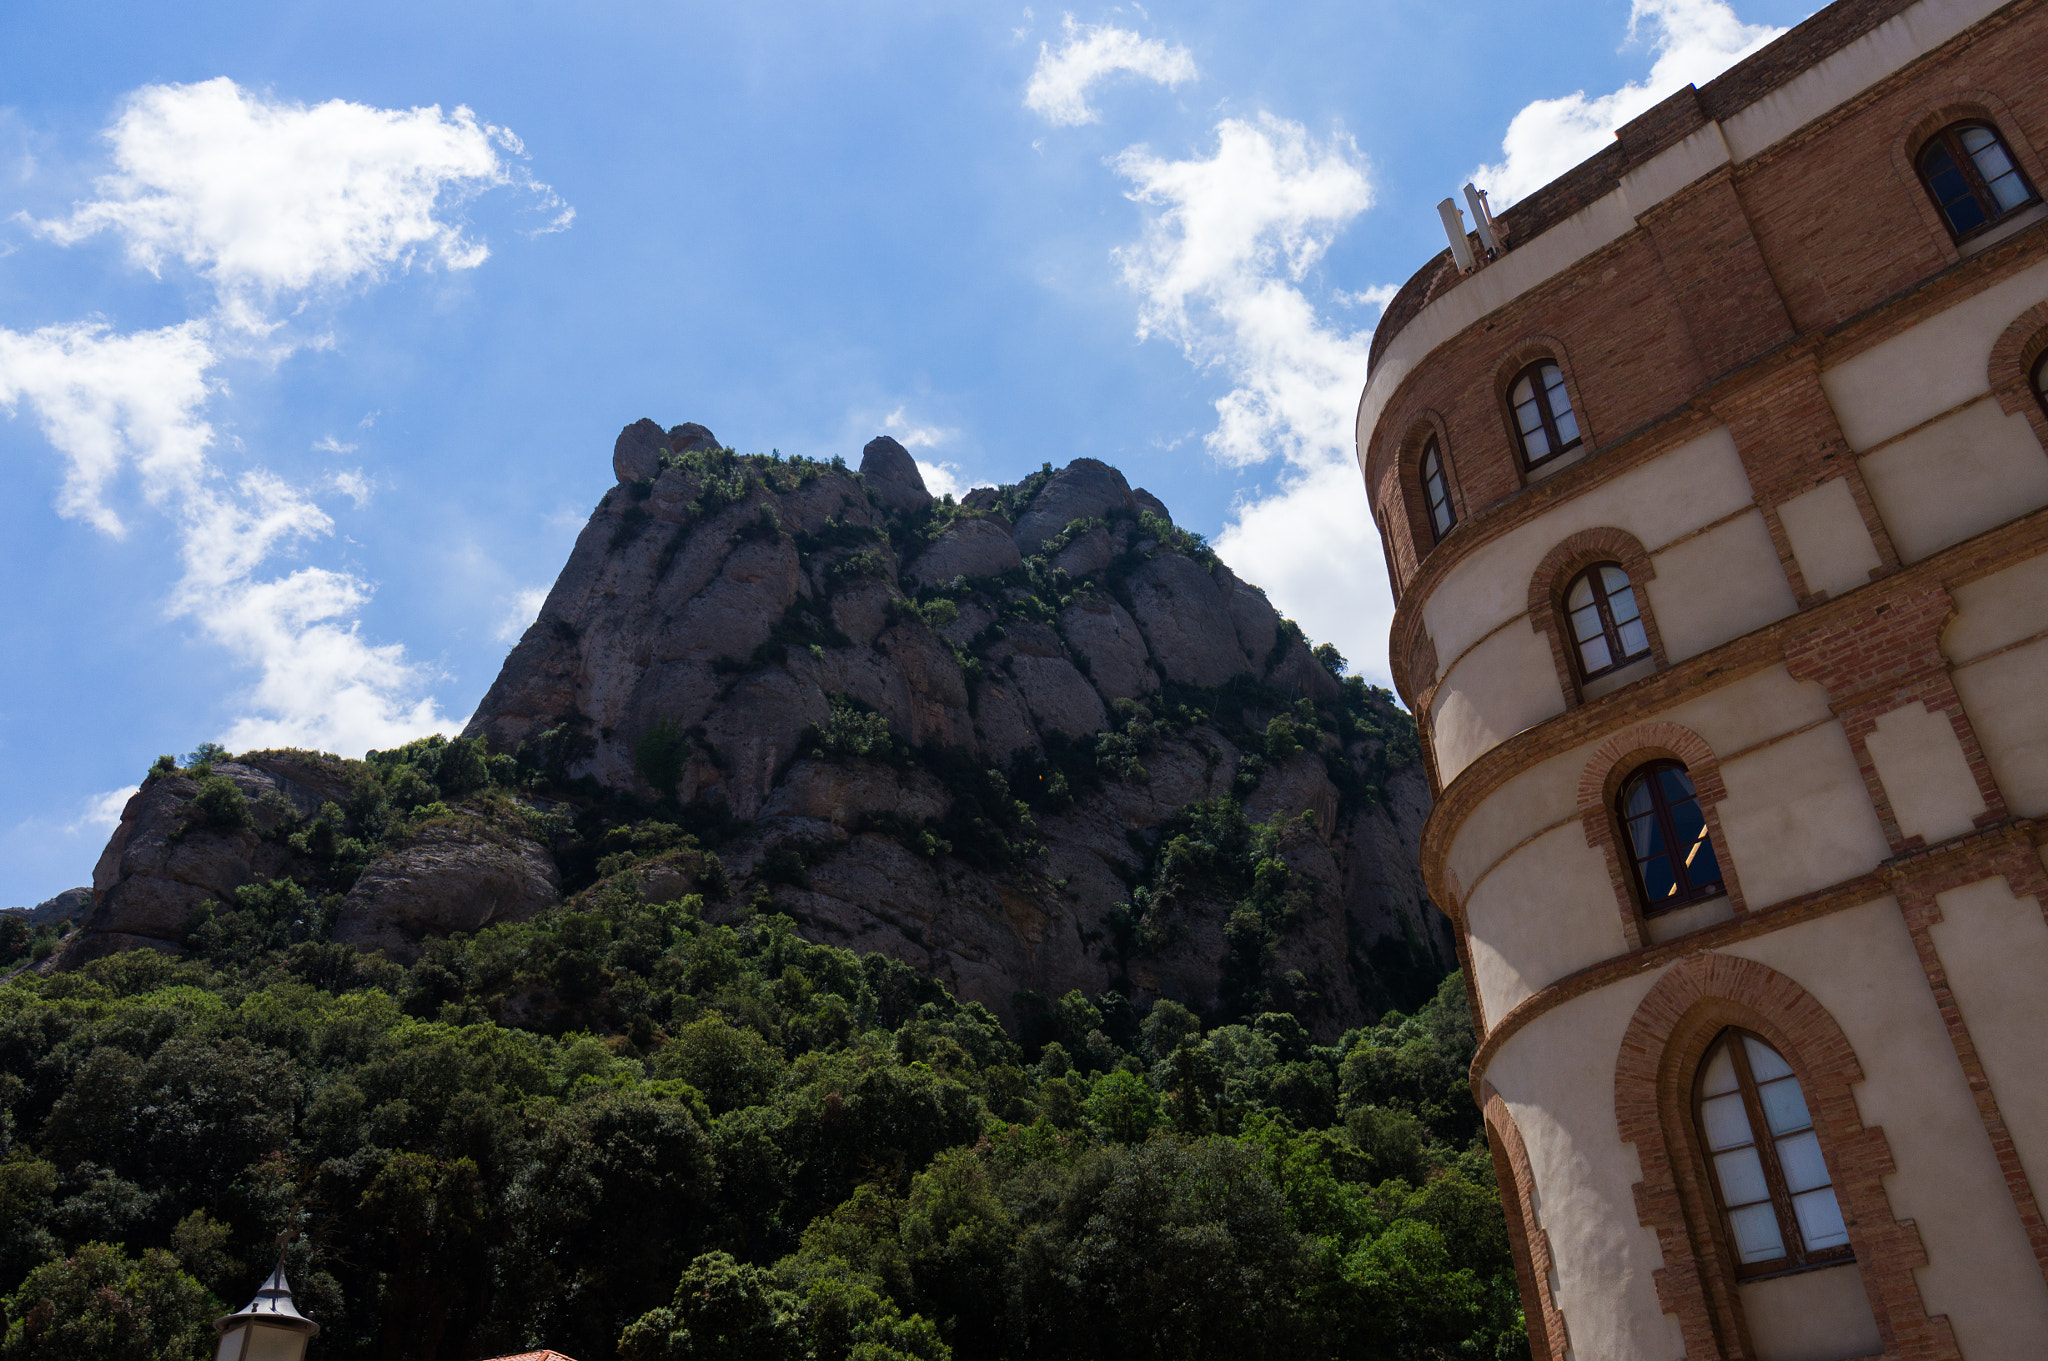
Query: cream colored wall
[
  {"x": 1685, "y": 489},
  {"x": 1557, "y": 1077},
  {"x": 1798, "y": 816},
  {"x": 1813, "y": 1316},
  {"x": 1542, "y": 803},
  {"x": 2003, "y": 693},
  {"x": 1929, "y": 368},
  {"x": 1718, "y": 585},
  {"x": 1546, "y": 910},
  {"x": 1926, "y": 777},
  {"x": 1994, "y": 948},
  {"x": 1860, "y": 964},
  {"x": 1961, "y": 475},
  {"x": 2008, "y": 707},
  {"x": 1505, "y": 684},
  {"x": 1829, "y": 539}
]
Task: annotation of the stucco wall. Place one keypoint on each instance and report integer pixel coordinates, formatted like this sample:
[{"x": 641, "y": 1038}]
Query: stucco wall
[
  {"x": 1557, "y": 1077},
  {"x": 1958, "y": 476},
  {"x": 2002, "y": 690},
  {"x": 1503, "y": 685},
  {"x": 1798, "y": 817},
  {"x": 1718, "y": 585},
  {"x": 1829, "y": 539},
  {"x": 1545, "y": 910},
  {"x": 1860, "y": 964}
]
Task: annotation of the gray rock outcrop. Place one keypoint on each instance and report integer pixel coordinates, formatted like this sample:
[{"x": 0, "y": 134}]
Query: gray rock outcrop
[
  {"x": 888, "y": 468},
  {"x": 448, "y": 879}
]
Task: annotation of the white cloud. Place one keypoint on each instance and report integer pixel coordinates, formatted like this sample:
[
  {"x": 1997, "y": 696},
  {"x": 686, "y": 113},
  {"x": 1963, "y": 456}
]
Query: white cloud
[
  {"x": 1313, "y": 547},
  {"x": 265, "y": 196},
  {"x": 911, "y": 435},
  {"x": 351, "y": 483},
  {"x": 943, "y": 479},
  {"x": 524, "y": 609},
  {"x": 102, "y": 812},
  {"x": 328, "y": 444},
  {"x": 1059, "y": 85},
  {"x": 1694, "y": 40},
  {"x": 1220, "y": 271}
]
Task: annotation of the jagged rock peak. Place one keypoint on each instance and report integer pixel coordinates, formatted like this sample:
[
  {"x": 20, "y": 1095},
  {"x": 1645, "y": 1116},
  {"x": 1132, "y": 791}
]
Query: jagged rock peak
[{"x": 888, "y": 467}]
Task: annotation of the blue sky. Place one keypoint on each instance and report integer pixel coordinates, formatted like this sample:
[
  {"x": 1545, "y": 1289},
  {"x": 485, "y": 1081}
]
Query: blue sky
[{"x": 317, "y": 321}]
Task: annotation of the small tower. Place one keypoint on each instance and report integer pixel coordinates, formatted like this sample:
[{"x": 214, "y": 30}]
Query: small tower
[{"x": 269, "y": 1327}]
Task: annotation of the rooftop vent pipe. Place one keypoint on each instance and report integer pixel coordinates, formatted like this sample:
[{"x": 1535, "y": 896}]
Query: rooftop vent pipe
[
  {"x": 1482, "y": 217},
  {"x": 1454, "y": 228}
]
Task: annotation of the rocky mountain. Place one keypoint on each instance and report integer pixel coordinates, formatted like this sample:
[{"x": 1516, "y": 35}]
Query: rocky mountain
[{"x": 1034, "y": 741}]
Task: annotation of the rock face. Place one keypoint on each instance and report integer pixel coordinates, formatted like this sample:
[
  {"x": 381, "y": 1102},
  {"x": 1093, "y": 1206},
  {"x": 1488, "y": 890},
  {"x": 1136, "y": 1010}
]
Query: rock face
[
  {"x": 70, "y": 905},
  {"x": 450, "y": 879},
  {"x": 739, "y": 625},
  {"x": 1033, "y": 742}
]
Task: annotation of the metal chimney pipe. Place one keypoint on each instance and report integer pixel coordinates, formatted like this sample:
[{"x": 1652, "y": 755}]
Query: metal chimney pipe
[
  {"x": 1454, "y": 228},
  {"x": 1482, "y": 218}
]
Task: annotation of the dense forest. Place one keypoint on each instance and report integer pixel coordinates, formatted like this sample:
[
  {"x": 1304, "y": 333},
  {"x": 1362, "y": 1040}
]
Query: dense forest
[{"x": 657, "y": 1123}]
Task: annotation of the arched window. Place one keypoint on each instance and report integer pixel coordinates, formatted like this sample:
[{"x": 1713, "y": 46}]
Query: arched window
[
  {"x": 1668, "y": 844},
  {"x": 1436, "y": 490},
  {"x": 1607, "y": 624},
  {"x": 1544, "y": 424},
  {"x": 1973, "y": 177},
  {"x": 1776, "y": 1196}
]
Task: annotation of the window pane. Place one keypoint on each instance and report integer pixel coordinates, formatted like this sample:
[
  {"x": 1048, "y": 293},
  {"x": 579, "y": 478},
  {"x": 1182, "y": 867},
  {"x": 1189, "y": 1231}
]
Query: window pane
[
  {"x": 1727, "y": 1124},
  {"x": 1634, "y": 641},
  {"x": 1567, "y": 424},
  {"x": 1756, "y": 1234},
  {"x": 1638, "y": 800},
  {"x": 1742, "y": 1177},
  {"x": 1658, "y": 881},
  {"x": 1523, "y": 394},
  {"x": 1593, "y": 653},
  {"x": 1820, "y": 1220},
  {"x": 2009, "y": 190},
  {"x": 1784, "y": 1106},
  {"x": 1720, "y": 1076},
  {"x": 1976, "y": 139},
  {"x": 1614, "y": 581},
  {"x": 1644, "y": 834},
  {"x": 1677, "y": 784},
  {"x": 1440, "y": 515},
  {"x": 1765, "y": 1063},
  {"x": 1621, "y": 601},
  {"x": 1585, "y": 623},
  {"x": 1799, "y": 1156},
  {"x": 1581, "y": 594},
  {"x": 1536, "y": 444},
  {"x": 1702, "y": 866}
]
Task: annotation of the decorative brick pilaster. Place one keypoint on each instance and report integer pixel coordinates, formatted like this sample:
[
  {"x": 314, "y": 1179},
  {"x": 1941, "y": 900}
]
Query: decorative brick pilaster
[
  {"x": 1882, "y": 656},
  {"x": 1528, "y": 1241}
]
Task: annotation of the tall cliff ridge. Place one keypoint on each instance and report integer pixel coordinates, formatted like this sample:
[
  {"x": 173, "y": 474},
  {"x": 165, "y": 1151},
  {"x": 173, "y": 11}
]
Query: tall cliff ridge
[{"x": 1033, "y": 742}]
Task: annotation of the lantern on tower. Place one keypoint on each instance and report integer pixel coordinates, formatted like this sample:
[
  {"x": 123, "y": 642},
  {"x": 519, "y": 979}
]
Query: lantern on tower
[{"x": 268, "y": 1328}]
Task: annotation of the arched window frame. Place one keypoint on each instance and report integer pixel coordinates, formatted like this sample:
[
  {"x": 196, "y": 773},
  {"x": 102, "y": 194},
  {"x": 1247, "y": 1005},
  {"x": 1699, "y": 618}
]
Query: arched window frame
[
  {"x": 1673, "y": 825},
  {"x": 1683, "y": 1013},
  {"x": 1542, "y": 404},
  {"x": 1602, "y": 606},
  {"x": 1438, "y": 506},
  {"x": 1962, "y": 106},
  {"x": 1770, "y": 1126},
  {"x": 1553, "y": 577},
  {"x": 1966, "y": 164},
  {"x": 1613, "y": 762},
  {"x": 2019, "y": 363}
]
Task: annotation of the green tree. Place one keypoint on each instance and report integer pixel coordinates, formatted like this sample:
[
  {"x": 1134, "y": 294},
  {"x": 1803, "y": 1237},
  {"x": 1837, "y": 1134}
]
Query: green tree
[{"x": 103, "y": 1304}]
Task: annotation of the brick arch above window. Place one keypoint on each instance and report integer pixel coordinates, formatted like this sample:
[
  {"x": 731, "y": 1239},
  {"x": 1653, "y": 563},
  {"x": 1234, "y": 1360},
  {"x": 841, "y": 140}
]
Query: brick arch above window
[
  {"x": 2013, "y": 361},
  {"x": 1673, "y": 1027},
  {"x": 1424, "y": 426},
  {"x": 1963, "y": 106},
  {"x": 1561, "y": 566},
  {"x": 1621, "y": 756},
  {"x": 1528, "y": 1241},
  {"x": 1531, "y": 350}
]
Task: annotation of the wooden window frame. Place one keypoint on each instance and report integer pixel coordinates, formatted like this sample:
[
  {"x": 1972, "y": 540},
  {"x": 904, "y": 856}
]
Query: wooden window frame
[
  {"x": 1440, "y": 478},
  {"x": 1533, "y": 371},
  {"x": 2037, "y": 380},
  {"x": 1795, "y": 1259},
  {"x": 1609, "y": 629},
  {"x": 1949, "y": 140},
  {"x": 1668, "y": 829}
]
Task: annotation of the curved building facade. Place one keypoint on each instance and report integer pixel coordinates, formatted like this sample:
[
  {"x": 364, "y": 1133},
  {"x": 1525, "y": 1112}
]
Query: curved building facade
[{"x": 1716, "y": 507}]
